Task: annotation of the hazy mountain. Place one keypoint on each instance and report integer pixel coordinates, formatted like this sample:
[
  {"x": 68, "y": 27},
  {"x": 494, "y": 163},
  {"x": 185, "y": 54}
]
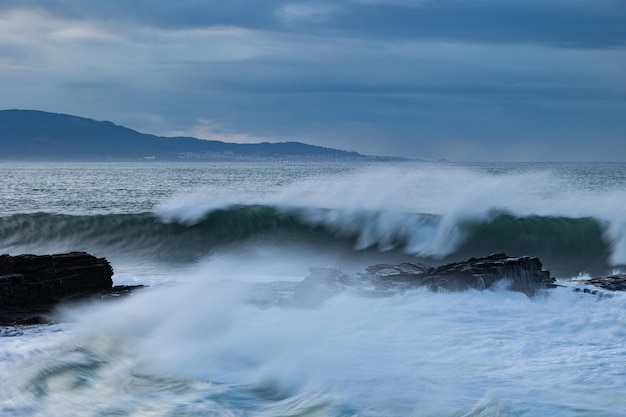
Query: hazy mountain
[{"x": 29, "y": 135}]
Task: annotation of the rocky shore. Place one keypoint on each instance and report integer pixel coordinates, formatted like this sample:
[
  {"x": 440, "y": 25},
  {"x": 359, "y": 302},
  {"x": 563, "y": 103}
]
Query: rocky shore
[
  {"x": 524, "y": 274},
  {"x": 32, "y": 286}
]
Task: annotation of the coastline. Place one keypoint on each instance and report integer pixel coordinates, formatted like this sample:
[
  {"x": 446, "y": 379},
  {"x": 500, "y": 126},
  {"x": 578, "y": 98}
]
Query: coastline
[{"x": 522, "y": 274}]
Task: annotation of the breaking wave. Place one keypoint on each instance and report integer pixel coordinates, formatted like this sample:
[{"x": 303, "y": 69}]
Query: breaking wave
[{"x": 575, "y": 244}]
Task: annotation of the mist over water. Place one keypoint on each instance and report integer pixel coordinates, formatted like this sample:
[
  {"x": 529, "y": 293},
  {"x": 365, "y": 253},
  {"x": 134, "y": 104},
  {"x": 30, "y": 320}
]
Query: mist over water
[
  {"x": 234, "y": 323},
  {"x": 209, "y": 345}
]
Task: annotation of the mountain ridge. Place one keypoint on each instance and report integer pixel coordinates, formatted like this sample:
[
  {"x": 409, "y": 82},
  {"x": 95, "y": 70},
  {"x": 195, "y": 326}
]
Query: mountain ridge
[{"x": 35, "y": 135}]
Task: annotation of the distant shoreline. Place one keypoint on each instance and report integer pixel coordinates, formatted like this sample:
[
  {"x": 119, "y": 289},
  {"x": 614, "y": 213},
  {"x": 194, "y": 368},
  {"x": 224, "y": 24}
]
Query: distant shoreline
[{"x": 32, "y": 135}]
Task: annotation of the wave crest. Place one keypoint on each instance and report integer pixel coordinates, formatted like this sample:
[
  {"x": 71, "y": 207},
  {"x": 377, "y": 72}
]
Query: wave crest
[{"x": 562, "y": 242}]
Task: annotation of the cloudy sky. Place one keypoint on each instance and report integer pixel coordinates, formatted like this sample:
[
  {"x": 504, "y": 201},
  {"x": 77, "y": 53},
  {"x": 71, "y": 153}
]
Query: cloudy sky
[{"x": 480, "y": 80}]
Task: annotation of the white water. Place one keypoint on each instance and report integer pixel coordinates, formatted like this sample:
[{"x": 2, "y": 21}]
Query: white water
[
  {"x": 203, "y": 344},
  {"x": 379, "y": 205},
  {"x": 198, "y": 346}
]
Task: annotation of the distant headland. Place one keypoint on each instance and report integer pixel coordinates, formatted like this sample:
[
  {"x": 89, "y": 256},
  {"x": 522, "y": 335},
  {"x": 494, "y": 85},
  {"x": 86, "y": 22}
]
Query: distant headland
[{"x": 31, "y": 135}]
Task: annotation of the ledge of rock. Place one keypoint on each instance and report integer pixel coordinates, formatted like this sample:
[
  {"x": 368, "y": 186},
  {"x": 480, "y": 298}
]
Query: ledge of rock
[
  {"x": 30, "y": 285},
  {"x": 615, "y": 282},
  {"x": 524, "y": 274}
]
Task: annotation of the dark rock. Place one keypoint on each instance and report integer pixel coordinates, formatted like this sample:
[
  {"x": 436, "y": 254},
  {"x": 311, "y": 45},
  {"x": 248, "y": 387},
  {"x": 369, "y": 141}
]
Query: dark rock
[
  {"x": 615, "y": 282},
  {"x": 30, "y": 285},
  {"x": 524, "y": 274},
  {"x": 120, "y": 291},
  {"x": 43, "y": 279}
]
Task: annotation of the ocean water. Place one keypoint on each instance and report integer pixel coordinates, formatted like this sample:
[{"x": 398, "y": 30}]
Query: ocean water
[{"x": 232, "y": 326}]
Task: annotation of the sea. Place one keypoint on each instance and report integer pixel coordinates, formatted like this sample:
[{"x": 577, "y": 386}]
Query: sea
[{"x": 234, "y": 322}]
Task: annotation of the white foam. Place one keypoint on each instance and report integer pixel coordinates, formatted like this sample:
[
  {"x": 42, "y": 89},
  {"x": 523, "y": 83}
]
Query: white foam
[
  {"x": 379, "y": 204},
  {"x": 417, "y": 353}
]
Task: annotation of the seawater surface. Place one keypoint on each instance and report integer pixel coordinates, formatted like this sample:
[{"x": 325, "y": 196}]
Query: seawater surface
[{"x": 228, "y": 328}]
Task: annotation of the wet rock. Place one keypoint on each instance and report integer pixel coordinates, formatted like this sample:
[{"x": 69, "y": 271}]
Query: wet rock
[
  {"x": 120, "y": 291},
  {"x": 524, "y": 274},
  {"x": 615, "y": 282},
  {"x": 30, "y": 285},
  {"x": 43, "y": 279}
]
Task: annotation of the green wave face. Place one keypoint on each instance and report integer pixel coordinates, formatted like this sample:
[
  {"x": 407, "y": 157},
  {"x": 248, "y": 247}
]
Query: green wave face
[{"x": 567, "y": 244}]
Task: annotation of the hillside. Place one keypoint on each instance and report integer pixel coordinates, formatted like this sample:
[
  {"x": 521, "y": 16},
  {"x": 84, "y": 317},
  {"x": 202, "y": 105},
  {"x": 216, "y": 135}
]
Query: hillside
[{"x": 30, "y": 135}]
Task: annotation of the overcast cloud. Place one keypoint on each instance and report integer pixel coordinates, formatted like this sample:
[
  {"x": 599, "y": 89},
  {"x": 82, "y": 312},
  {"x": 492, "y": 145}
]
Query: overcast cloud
[{"x": 464, "y": 80}]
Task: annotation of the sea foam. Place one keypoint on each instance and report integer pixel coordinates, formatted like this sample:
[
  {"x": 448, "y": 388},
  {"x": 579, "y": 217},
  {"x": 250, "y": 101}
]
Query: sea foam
[
  {"x": 414, "y": 353},
  {"x": 425, "y": 208}
]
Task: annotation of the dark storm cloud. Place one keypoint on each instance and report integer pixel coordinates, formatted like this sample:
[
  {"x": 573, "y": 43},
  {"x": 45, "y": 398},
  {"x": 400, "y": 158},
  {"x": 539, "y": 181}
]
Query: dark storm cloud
[
  {"x": 574, "y": 23},
  {"x": 487, "y": 79}
]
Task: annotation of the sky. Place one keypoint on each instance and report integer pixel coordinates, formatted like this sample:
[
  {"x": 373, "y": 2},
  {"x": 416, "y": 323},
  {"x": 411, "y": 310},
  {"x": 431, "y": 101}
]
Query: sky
[{"x": 480, "y": 80}]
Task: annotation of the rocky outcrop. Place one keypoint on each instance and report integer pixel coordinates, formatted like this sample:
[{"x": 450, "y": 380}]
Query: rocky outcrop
[
  {"x": 616, "y": 282},
  {"x": 524, "y": 274},
  {"x": 31, "y": 284},
  {"x": 36, "y": 279}
]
